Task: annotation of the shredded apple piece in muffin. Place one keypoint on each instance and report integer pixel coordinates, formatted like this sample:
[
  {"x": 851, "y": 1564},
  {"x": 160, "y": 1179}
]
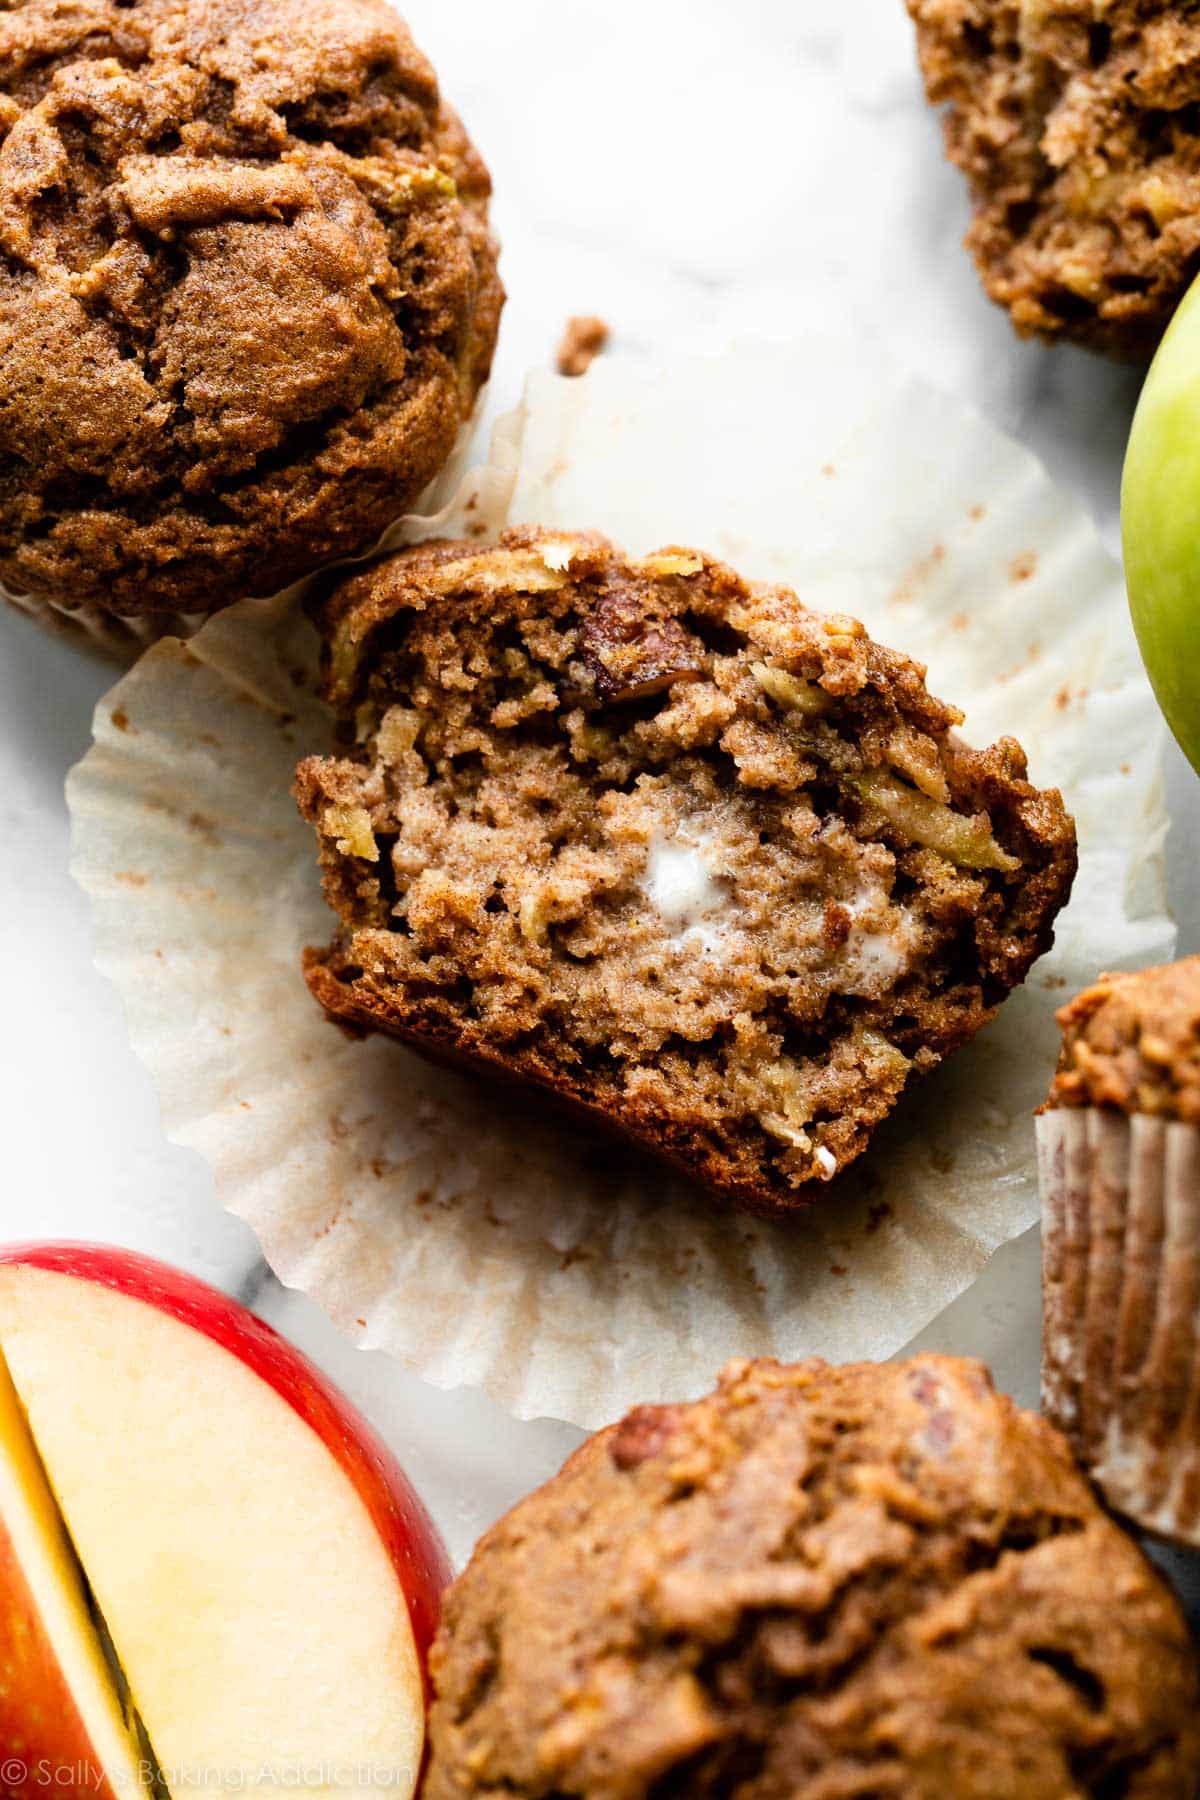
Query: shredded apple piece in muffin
[{"x": 712, "y": 866}]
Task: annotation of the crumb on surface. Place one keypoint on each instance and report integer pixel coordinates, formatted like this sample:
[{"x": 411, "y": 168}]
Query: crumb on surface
[{"x": 582, "y": 342}]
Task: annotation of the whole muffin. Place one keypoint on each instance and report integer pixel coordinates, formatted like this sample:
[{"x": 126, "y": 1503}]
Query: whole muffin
[
  {"x": 247, "y": 295},
  {"x": 1119, "y": 1170},
  {"x": 1075, "y": 126},
  {"x": 709, "y": 866},
  {"x": 829, "y": 1582}
]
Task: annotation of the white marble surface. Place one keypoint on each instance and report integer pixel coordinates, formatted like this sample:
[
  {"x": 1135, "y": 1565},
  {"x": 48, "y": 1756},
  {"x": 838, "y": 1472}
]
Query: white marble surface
[{"x": 690, "y": 169}]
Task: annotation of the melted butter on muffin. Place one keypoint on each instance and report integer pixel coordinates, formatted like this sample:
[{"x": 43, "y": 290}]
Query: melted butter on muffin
[{"x": 685, "y": 891}]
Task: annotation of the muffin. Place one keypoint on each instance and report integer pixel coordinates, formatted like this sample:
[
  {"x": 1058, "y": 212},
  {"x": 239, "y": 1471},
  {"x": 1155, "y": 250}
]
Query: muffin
[
  {"x": 1119, "y": 1164},
  {"x": 711, "y": 868},
  {"x": 248, "y": 294},
  {"x": 1075, "y": 125},
  {"x": 877, "y": 1580}
]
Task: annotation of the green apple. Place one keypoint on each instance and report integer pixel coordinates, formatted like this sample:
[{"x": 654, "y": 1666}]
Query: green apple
[{"x": 1160, "y": 524}]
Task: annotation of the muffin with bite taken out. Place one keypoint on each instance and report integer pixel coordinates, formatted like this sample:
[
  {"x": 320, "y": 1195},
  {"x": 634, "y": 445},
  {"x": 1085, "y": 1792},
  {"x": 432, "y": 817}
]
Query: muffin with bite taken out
[{"x": 711, "y": 868}]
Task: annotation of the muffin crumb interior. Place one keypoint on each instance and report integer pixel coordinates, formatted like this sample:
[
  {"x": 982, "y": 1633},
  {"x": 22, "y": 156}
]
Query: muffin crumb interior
[
  {"x": 678, "y": 841},
  {"x": 1075, "y": 125}
]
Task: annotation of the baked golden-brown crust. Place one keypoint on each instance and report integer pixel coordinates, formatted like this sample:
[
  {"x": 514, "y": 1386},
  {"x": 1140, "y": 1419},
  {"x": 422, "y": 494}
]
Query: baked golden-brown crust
[
  {"x": 1075, "y": 126},
  {"x": 711, "y": 868},
  {"x": 247, "y": 292},
  {"x": 1132, "y": 1041},
  {"x": 841, "y": 1583}
]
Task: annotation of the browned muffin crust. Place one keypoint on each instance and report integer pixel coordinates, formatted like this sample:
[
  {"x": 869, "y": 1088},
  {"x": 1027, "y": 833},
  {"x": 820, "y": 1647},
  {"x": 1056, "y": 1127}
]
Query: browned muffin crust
[
  {"x": 707, "y": 865},
  {"x": 1132, "y": 1041},
  {"x": 1075, "y": 125},
  {"x": 877, "y": 1580},
  {"x": 247, "y": 292}
]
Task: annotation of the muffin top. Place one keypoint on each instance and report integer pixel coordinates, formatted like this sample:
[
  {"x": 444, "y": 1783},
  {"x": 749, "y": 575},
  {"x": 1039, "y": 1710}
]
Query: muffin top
[
  {"x": 247, "y": 296},
  {"x": 862, "y": 1581},
  {"x": 1132, "y": 1041}
]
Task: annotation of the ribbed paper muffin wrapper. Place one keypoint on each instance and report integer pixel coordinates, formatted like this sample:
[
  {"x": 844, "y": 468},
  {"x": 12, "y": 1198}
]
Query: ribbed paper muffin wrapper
[
  {"x": 487, "y": 1242},
  {"x": 107, "y": 634},
  {"x": 1121, "y": 1304}
]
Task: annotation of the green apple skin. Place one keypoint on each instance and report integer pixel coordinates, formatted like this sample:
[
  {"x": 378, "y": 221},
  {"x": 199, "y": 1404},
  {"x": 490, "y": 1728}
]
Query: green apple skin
[{"x": 1160, "y": 524}]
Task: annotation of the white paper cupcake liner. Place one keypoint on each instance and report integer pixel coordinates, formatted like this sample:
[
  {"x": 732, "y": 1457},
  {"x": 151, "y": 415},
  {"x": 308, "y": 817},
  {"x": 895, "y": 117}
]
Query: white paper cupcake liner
[
  {"x": 1121, "y": 1307},
  {"x": 493, "y": 1245},
  {"x": 119, "y": 640}
]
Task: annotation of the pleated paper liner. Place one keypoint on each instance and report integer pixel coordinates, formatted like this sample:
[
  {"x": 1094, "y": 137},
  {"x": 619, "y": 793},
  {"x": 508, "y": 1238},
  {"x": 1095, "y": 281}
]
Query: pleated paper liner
[
  {"x": 1121, "y": 1302},
  {"x": 106, "y": 634},
  {"x": 499, "y": 1247}
]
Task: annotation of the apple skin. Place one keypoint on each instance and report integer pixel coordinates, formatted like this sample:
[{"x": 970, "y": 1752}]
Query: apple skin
[
  {"x": 46, "y": 1733},
  {"x": 1160, "y": 524},
  {"x": 399, "y": 1516}
]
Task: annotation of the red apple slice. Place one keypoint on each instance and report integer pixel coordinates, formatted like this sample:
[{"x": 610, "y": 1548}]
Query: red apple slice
[
  {"x": 269, "y": 1578},
  {"x": 61, "y": 1716}
]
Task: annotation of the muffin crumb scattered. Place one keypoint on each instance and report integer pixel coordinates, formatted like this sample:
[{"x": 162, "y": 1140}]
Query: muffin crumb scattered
[{"x": 582, "y": 342}]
